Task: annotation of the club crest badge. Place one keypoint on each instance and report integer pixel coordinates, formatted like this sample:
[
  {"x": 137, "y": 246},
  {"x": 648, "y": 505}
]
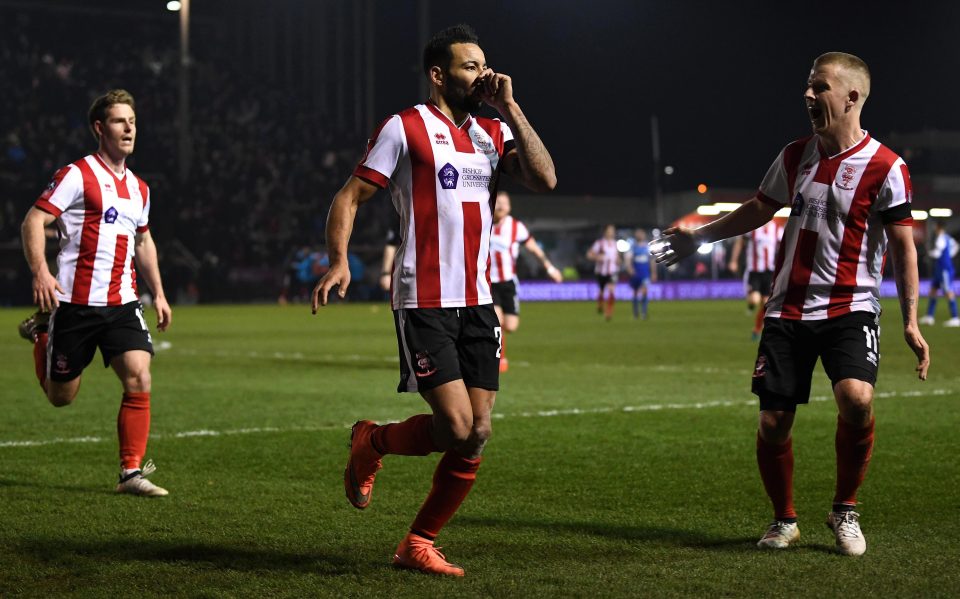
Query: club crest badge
[{"x": 448, "y": 176}]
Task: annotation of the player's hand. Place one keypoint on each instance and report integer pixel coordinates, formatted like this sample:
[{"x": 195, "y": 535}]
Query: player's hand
[
  {"x": 45, "y": 288},
  {"x": 919, "y": 346},
  {"x": 554, "y": 273},
  {"x": 674, "y": 245},
  {"x": 496, "y": 89},
  {"x": 385, "y": 282},
  {"x": 733, "y": 267},
  {"x": 338, "y": 276},
  {"x": 164, "y": 314}
]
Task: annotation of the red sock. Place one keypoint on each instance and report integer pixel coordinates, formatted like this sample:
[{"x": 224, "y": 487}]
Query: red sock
[
  {"x": 776, "y": 472},
  {"x": 854, "y": 447},
  {"x": 133, "y": 428},
  {"x": 410, "y": 437},
  {"x": 452, "y": 480},
  {"x": 610, "y": 302},
  {"x": 40, "y": 359},
  {"x": 758, "y": 323}
]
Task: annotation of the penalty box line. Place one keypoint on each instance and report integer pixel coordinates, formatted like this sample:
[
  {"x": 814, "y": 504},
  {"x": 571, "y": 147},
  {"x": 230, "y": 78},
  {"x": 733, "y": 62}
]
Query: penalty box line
[{"x": 496, "y": 416}]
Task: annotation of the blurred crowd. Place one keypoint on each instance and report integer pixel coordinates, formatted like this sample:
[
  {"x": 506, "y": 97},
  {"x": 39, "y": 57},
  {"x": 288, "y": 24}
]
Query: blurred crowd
[{"x": 264, "y": 166}]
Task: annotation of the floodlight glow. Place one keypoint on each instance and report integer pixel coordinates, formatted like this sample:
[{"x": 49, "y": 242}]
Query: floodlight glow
[
  {"x": 941, "y": 212},
  {"x": 668, "y": 170},
  {"x": 705, "y": 249},
  {"x": 782, "y": 213},
  {"x": 727, "y": 206},
  {"x": 919, "y": 214},
  {"x": 708, "y": 210},
  {"x": 173, "y": 5},
  {"x": 702, "y": 188},
  {"x": 623, "y": 245}
]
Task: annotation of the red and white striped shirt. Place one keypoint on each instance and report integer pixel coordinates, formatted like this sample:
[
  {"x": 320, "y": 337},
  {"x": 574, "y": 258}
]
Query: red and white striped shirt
[
  {"x": 609, "y": 257},
  {"x": 505, "y": 240},
  {"x": 99, "y": 216},
  {"x": 443, "y": 180},
  {"x": 830, "y": 261},
  {"x": 762, "y": 247}
]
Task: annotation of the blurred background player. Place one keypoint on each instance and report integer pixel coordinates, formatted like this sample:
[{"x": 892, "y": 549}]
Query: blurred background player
[
  {"x": 606, "y": 258},
  {"x": 506, "y": 237},
  {"x": 642, "y": 272},
  {"x": 390, "y": 245},
  {"x": 434, "y": 156},
  {"x": 826, "y": 298},
  {"x": 942, "y": 253},
  {"x": 102, "y": 211},
  {"x": 761, "y": 257}
]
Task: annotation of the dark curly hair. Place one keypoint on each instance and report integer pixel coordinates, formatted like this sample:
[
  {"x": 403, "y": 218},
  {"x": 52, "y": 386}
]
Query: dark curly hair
[{"x": 437, "y": 52}]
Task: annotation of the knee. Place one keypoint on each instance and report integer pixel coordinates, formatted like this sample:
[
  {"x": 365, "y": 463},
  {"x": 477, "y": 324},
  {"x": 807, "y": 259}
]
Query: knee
[
  {"x": 137, "y": 382},
  {"x": 775, "y": 426},
  {"x": 59, "y": 398},
  {"x": 458, "y": 429},
  {"x": 855, "y": 401}
]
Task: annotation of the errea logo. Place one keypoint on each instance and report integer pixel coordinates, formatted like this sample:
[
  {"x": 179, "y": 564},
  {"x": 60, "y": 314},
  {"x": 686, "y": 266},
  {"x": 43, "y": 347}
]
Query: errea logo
[{"x": 440, "y": 139}]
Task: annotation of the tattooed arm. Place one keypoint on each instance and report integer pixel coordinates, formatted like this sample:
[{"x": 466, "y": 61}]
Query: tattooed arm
[
  {"x": 529, "y": 162},
  {"x": 904, "y": 255}
]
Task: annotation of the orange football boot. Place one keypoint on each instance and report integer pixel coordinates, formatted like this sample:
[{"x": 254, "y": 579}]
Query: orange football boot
[
  {"x": 362, "y": 466},
  {"x": 417, "y": 553}
]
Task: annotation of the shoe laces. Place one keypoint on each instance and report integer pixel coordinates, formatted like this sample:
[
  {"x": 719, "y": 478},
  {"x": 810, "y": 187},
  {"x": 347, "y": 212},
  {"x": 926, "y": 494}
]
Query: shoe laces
[
  {"x": 148, "y": 468},
  {"x": 431, "y": 551},
  {"x": 777, "y": 527},
  {"x": 847, "y": 525}
]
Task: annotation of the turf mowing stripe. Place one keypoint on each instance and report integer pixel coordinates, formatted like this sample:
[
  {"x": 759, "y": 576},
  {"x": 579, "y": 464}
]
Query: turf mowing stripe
[{"x": 497, "y": 416}]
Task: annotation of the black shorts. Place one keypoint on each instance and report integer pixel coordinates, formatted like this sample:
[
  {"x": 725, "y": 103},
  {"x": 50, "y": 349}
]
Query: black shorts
[
  {"x": 505, "y": 296},
  {"x": 604, "y": 280},
  {"x": 761, "y": 282},
  {"x": 76, "y": 331},
  {"x": 439, "y": 345},
  {"x": 848, "y": 347}
]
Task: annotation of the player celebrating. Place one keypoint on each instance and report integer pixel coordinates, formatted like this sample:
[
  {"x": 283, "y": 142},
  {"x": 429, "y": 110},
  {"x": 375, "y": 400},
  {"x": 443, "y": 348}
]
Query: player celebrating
[
  {"x": 761, "y": 250},
  {"x": 606, "y": 258},
  {"x": 442, "y": 166},
  {"x": 850, "y": 197},
  {"x": 944, "y": 249},
  {"x": 641, "y": 272},
  {"x": 101, "y": 209},
  {"x": 506, "y": 237}
]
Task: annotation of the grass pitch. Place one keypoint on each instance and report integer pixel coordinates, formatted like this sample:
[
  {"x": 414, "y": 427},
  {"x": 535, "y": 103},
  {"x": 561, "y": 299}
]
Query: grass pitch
[{"x": 622, "y": 464}]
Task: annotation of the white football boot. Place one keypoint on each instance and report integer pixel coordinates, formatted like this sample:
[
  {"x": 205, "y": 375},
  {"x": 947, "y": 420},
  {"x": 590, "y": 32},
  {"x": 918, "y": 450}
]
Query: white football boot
[
  {"x": 846, "y": 527},
  {"x": 136, "y": 483},
  {"x": 927, "y": 319},
  {"x": 780, "y": 535},
  {"x": 953, "y": 322}
]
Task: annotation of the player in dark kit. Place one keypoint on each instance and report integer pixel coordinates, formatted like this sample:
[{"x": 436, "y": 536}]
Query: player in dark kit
[
  {"x": 441, "y": 165},
  {"x": 850, "y": 198}
]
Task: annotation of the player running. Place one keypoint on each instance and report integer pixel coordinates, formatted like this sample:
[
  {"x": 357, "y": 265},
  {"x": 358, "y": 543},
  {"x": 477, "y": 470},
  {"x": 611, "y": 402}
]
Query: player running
[
  {"x": 441, "y": 165},
  {"x": 506, "y": 237},
  {"x": 101, "y": 209},
  {"x": 943, "y": 251},
  {"x": 606, "y": 258},
  {"x": 849, "y": 197},
  {"x": 761, "y": 251},
  {"x": 642, "y": 273}
]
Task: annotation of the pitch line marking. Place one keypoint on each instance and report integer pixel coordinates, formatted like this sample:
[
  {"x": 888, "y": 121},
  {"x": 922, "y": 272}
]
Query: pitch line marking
[{"x": 496, "y": 416}]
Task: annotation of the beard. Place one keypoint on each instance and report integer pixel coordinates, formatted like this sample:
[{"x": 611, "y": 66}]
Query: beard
[{"x": 463, "y": 100}]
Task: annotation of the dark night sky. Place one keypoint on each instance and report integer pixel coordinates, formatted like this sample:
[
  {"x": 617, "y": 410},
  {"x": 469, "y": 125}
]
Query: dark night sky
[{"x": 724, "y": 78}]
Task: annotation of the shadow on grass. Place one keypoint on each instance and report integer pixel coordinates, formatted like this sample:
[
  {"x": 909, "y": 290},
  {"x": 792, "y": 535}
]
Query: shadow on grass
[
  {"x": 648, "y": 534},
  {"x": 346, "y": 363},
  {"x": 107, "y": 488},
  {"x": 227, "y": 557}
]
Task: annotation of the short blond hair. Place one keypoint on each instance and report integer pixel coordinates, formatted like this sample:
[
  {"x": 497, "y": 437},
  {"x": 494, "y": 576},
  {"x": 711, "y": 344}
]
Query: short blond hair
[
  {"x": 98, "y": 110},
  {"x": 854, "y": 65}
]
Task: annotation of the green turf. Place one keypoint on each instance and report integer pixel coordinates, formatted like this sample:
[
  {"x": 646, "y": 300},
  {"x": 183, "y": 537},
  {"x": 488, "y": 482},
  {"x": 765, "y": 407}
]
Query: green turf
[{"x": 622, "y": 464}]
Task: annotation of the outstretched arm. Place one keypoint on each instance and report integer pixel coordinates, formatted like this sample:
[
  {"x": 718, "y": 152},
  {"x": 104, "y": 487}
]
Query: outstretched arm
[
  {"x": 679, "y": 242},
  {"x": 149, "y": 266},
  {"x": 533, "y": 248},
  {"x": 34, "y": 242},
  {"x": 343, "y": 211},
  {"x": 529, "y": 162},
  {"x": 904, "y": 255}
]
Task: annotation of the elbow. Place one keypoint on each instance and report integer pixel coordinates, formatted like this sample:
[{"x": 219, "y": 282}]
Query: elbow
[{"x": 544, "y": 183}]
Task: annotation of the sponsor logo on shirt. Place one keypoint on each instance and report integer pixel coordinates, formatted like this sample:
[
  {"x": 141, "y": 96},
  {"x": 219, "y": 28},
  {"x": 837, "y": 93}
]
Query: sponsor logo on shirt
[
  {"x": 110, "y": 216},
  {"x": 475, "y": 177},
  {"x": 440, "y": 139},
  {"x": 448, "y": 176},
  {"x": 820, "y": 208},
  {"x": 797, "y": 208}
]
